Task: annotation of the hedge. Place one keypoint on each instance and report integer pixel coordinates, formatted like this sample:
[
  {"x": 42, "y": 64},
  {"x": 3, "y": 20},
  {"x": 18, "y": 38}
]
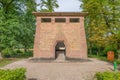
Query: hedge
[
  {"x": 107, "y": 75},
  {"x": 14, "y": 74},
  {"x": 10, "y": 53}
]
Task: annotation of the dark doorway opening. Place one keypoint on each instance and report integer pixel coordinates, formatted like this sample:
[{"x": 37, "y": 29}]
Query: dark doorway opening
[{"x": 60, "y": 50}]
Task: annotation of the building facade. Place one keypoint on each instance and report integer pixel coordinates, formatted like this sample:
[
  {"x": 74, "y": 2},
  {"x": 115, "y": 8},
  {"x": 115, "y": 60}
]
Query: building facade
[{"x": 60, "y": 31}]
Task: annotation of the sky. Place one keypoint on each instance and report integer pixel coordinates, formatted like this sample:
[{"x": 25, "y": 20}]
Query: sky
[{"x": 67, "y": 6}]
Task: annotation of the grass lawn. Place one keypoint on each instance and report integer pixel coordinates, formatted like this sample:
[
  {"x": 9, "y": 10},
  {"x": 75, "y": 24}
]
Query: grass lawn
[
  {"x": 6, "y": 61},
  {"x": 104, "y": 58}
]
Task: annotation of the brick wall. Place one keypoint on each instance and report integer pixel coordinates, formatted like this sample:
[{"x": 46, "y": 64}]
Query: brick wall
[{"x": 72, "y": 34}]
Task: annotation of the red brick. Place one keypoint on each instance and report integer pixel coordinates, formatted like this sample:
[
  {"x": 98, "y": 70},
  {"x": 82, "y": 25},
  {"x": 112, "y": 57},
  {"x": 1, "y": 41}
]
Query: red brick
[{"x": 47, "y": 35}]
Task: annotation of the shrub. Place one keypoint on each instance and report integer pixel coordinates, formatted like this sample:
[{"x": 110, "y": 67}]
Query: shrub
[
  {"x": 107, "y": 75},
  {"x": 16, "y": 54},
  {"x": 15, "y": 74},
  {"x": 6, "y": 53},
  {"x": 10, "y": 53},
  {"x": 29, "y": 53},
  {"x": 19, "y": 51},
  {"x": 118, "y": 61},
  {"x": 23, "y": 54},
  {"x": 110, "y": 48},
  {"x": 2, "y": 46}
]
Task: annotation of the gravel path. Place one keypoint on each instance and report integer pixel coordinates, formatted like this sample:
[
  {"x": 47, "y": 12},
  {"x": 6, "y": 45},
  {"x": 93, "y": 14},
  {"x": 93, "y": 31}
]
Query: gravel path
[{"x": 61, "y": 71}]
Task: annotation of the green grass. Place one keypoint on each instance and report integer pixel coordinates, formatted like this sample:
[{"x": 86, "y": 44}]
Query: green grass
[
  {"x": 6, "y": 61},
  {"x": 104, "y": 58}
]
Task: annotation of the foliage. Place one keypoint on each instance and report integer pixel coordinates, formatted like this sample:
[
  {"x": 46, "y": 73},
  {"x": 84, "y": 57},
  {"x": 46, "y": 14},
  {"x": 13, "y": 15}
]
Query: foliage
[
  {"x": 6, "y": 53},
  {"x": 9, "y": 53},
  {"x": 17, "y": 24},
  {"x": 107, "y": 75},
  {"x": 108, "y": 48},
  {"x": 21, "y": 54},
  {"x": 118, "y": 61},
  {"x": 48, "y": 5},
  {"x": 26, "y": 30},
  {"x": 102, "y": 23},
  {"x": 15, "y": 74},
  {"x": 118, "y": 51}
]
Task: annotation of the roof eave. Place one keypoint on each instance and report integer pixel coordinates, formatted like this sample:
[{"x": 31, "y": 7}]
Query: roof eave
[{"x": 60, "y": 13}]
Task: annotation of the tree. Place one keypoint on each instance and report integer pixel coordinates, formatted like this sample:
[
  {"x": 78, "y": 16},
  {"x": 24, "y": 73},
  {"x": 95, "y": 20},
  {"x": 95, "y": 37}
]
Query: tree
[
  {"x": 27, "y": 25},
  {"x": 17, "y": 24},
  {"x": 8, "y": 22},
  {"x": 102, "y": 22},
  {"x": 48, "y": 5}
]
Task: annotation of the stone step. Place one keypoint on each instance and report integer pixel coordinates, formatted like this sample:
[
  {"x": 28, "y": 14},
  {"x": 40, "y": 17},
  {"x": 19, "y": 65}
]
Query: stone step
[{"x": 60, "y": 56}]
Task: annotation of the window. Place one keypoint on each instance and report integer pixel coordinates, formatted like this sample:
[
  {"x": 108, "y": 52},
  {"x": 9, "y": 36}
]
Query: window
[
  {"x": 74, "y": 19},
  {"x": 60, "y": 20},
  {"x": 45, "y": 19}
]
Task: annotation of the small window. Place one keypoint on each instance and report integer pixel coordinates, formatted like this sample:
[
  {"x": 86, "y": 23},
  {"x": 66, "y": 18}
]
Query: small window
[
  {"x": 45, "y": 19},
  {"x": 60, "y": 20},
  {"x": 74, "y": 19}
]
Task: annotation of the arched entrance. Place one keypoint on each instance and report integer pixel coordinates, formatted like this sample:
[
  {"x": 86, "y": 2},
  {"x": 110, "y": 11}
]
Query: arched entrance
[{"x": 60, "y": 50}]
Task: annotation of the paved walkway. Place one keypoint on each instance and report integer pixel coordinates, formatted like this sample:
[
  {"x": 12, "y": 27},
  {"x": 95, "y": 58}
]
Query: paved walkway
[{"x": 62, "y": 71}]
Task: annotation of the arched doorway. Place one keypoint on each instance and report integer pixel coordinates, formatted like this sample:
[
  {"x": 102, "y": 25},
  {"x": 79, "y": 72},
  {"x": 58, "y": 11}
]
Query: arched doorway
[{"x": 60, "y": 50}]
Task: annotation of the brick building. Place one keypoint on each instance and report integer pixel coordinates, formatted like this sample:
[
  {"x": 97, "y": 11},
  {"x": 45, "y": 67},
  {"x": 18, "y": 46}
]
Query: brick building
[{"x": 60, "y": 31}]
